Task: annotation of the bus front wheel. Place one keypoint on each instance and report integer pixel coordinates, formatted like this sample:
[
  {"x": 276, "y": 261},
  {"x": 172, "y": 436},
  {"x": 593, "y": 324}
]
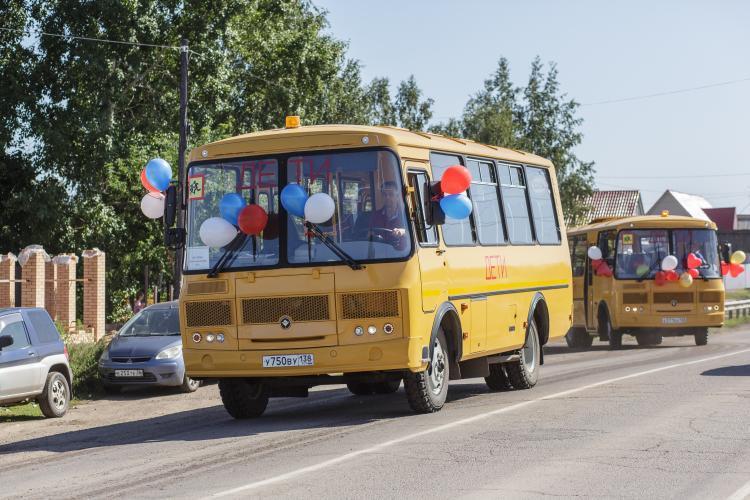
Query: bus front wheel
[
  {"x": 243, "y": 398},
  {"x": 701, "y": 336},
  {"x": 605, "y": 329},
  {"x": 523, "y": 374},
  {"x": 427, "y": 390},
  {"x": 578, "y": 337}
]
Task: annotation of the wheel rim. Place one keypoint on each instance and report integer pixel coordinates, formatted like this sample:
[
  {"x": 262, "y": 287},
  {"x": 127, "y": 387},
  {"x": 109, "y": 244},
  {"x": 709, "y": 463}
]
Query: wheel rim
[
  {"x": 436, "y": 370},
  {"x": 529, "y": 353},
  {"x": 193, "y": 383},
  {"x": 59, "y": 396}
]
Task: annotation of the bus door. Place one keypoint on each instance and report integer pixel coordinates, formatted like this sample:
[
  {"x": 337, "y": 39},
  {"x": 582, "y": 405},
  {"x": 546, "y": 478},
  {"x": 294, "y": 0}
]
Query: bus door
[
  {"x": 431, "y": 260},
  {"x": 600, "y": 287},
  {"x": 578, "y": 247}
]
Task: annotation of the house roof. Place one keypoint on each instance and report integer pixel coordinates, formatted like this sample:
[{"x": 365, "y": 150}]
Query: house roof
[
  {"x": 693, "y": 204},
  {"x": 608, "y": 204},
  {"x": 725, "y": 218}
]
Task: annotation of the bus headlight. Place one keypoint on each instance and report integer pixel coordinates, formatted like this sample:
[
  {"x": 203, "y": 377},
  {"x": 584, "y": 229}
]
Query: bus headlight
[
  {"x": 358, "y": 331},
  {"x": 197, "y": 337},
  {"x": 219, "y": 337},
  {"x": 372, "y": 330},
  {"x": 210, "y": 337},
  {"x": 627, "y": 309},
  {"x": 388, "y": 328}
]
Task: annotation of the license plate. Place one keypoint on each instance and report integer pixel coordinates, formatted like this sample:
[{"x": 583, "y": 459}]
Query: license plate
[
  {"x": 288, "y": 360},
  {"x": 128, "y": 373},
  {"x": 671, "y": 320}
]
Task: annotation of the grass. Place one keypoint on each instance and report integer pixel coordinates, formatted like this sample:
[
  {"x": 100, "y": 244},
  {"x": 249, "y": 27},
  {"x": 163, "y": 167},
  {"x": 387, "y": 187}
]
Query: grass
[
  {"x": 26, "y": 411},
  {"x": 741, "y": 294}
]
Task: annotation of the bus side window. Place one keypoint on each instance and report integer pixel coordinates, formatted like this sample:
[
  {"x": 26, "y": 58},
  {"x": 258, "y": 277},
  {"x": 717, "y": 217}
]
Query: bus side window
[
  {"x": 455, "y": 232},
  {"x": 578, "y": 249},
  {"x": 427, "y": 236},
  {"x": 487, "y": 215},
  {"x": 542, "y": 207},
  {"x": 516, "y": 206}
]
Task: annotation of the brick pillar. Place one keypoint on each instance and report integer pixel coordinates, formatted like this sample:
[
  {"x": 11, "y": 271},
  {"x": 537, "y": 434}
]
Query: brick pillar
[
  {"x": 65, "y": 300},
  {"x": 32, "y": 259},
  {"x": 50, "y": 288},
  {"x": 7, "y": 285},
  {"x": 93, "y": 291}
]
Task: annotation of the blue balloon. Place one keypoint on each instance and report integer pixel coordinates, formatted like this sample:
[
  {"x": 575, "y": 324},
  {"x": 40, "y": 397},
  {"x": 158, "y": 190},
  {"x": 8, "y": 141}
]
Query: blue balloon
[
  {"x": 230, "y": 206},
  {"x": 293, "y": 198},
  {"x": 158, "y": 173},
  {"x": 456, "y": 206}
]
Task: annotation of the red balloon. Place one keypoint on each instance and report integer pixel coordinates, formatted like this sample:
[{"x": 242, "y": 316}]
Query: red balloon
[
  {"x": 660, "y": 278},
  {"x": 694, "y": 273},
  {"x": 671, "y": 275},
  {"x": 604, "y": 270},
  {"x": 692, "y": 261},
  {"x": 456, "y": 180},
  {"x": 736, "y": 269},
  {"x": 596, "y": 263},
  {"x": 252, "y": 219},
  {"x": 146, "y": 184},
  {"x": 724, "y": 268}
]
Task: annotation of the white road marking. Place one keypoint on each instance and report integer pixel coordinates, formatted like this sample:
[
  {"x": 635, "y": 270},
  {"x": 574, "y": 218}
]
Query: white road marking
[
  {"x": 742, "y": 493},
  {"x": 344, "y": 458}
]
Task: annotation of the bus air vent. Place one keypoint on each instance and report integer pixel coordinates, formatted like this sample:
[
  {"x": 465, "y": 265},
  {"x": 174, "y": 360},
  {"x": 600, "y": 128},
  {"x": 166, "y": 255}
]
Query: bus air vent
[
  {"x": 713, "y": 297},
  {"x": 634, "y": 298},
  {"x": 270, "y": 309},
  {"x": 207, "y": 287},
  {"x": 369, "y": 305},
  {"x": 668, "y": 297},
  {"x": 208, "y": 313}
]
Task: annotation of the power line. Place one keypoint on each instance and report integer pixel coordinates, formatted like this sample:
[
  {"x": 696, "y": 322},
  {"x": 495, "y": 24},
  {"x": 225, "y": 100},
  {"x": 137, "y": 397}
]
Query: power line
[
  {"x": 701, "y": 176},
  {"x": 668, "y": 92}
]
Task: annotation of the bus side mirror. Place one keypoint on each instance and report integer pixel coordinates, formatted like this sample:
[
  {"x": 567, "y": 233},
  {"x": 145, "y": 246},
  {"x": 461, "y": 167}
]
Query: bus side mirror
[
  {"x": 726, "y": 252},
  {"x": 170, "y": 206},
  {"x": 435, "y": 215}
]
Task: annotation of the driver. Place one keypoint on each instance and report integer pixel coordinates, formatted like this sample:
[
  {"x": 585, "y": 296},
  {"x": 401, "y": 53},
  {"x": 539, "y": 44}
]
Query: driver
[{"x": 389, "y": 221}]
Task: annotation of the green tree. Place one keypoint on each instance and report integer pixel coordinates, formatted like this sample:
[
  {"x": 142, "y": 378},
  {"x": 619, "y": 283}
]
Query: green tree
[
  {"x": 380, "y": 106},
  {"x": 413, "y": 113}
]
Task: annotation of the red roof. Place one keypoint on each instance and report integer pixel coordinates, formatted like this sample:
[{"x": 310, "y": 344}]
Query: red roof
[
  {"x": 626, "y": 203},
  {"x": 724, "y": 218}
]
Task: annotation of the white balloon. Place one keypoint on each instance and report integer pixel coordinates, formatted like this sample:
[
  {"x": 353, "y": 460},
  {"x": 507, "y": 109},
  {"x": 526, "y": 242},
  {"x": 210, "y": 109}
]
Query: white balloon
[
  {"x": 152, "y": 205},
  {"x": 319, "y": 208},
  {"x": 595, "y": 253},
  {"x": 217, "y": 232},
  {"x": 669, "y": 263}
]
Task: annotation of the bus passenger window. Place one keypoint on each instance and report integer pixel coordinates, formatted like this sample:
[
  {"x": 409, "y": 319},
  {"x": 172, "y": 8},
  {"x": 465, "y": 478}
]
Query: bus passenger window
[
  {"x": 514, "y": 201},
  {"x": 578, "y": 249},
  {"x": 455, "y": 232},
  {"x": 542, "y": 207},
  {"x": 427, "y": 236},
  {"x": 484, "y": 193}
]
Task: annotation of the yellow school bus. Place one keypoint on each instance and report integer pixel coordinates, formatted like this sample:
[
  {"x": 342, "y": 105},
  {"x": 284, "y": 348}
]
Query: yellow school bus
[
  {"x": 636, "y": 296},
  {"x": 387, "y": 290}
]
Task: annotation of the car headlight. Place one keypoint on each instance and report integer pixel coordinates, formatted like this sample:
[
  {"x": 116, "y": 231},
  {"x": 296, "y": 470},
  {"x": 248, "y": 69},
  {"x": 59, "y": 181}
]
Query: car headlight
[
  {"x": 170, "y": 353},
  {"x": 105, "y": 355}
]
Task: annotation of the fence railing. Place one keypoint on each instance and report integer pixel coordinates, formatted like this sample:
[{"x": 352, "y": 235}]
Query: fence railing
[{"x": 736, "y": 308}]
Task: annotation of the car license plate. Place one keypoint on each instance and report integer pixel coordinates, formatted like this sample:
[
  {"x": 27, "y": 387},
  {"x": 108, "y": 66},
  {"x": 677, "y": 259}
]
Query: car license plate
[
  {"x": 672, "y": 320},
  {"x": 288, "y": 360},
  {"x": 128, "y": 373}
]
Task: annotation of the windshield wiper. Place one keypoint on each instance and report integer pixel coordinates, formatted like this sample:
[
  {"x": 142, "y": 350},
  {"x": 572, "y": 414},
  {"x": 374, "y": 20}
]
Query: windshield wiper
[
  {"x": 333, "y": 246},
  {"x": 237, "y": 243}
]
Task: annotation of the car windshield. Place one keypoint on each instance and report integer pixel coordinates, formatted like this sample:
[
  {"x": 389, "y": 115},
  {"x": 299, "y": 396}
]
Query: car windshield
[
  {"x": 640, "y": 252},
  {"x": 369, "y": 222},
  {"x": 150, "y": 322},
  {"x": 703, "y": 244}
]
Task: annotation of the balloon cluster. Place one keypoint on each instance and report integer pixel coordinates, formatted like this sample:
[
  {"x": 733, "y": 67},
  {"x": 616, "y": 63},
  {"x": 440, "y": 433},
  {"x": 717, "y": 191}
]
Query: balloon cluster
[
  {"x": 668, "y": 273},
  {"x": 455, "y": 181},
  {"x": 734, "y": 267},
  {"x": 601, "y": 268},
  {"x": 155, "y": 178},
  {"x": 318, "y": 208},
  {"x": 235, "y": 212}
]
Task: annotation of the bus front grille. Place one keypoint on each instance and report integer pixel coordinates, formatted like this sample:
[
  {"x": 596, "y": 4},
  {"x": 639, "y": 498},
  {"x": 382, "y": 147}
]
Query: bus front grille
[
  {"x": 634, "y": 298},
  {"x": 369, "y": 305},
  {"x": 207, "y": 287},
  {"x": 710, "y": 297},
  {"x": 208, "y": 313},
  {"x": 271, "y": 309},
  {"x": 668, "y": 297}
]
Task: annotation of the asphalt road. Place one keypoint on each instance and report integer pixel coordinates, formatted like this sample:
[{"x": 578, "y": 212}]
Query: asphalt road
[{"x": 669, "y": 421}]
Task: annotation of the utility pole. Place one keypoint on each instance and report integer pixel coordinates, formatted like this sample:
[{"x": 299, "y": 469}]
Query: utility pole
[{"x": 181, "y": 203}]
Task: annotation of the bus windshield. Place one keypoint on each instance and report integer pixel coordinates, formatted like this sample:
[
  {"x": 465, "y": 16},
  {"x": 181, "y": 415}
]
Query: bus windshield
[
  {"x": 640, "y": 252},
  {"x": 369, "y": 222},
  {"x": 703, "y": 244}
]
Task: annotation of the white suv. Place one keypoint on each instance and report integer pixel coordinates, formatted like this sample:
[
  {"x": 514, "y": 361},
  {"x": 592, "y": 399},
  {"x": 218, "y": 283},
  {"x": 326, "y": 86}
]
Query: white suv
[{"x": 33, "y": 361}]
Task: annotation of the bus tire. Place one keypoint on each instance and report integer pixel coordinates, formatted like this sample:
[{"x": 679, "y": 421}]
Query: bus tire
[
  {"x": 243, "y": 398},
  {"x": 386, "y": 387},
  {"x": 360, "y": 388},
  {"x": 649, "y": 338},
  {"x": 605, "y": 329},
  {"x": 498, "y": 379},
  {"x": 578, "y": 338},
  {"x": 701, "y": 336},
  {"x": 524, "y": 373},
  {"x": 427, "y": 390}
]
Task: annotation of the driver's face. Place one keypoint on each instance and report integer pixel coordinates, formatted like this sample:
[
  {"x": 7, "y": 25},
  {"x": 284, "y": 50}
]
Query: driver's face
[{"x": 390, "y": 199}]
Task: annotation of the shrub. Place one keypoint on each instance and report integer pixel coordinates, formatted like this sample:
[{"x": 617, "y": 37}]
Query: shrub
[{"x": 84, "y": 360}]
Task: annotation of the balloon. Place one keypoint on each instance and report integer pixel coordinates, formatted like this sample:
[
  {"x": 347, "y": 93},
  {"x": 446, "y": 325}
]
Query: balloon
[
  {"x": 595, "y": 263},
  {"x": 146, "y": 184},
  {"x": 158, "y": 173},
  {"x": 230, "y": 206},
  {"x": 595, "y": 253},
  {"x": 216, "y": 232},
  {"x": 738, "y": 257},
  {"x": 669, "y": 263},
  {"x": 671, "y": 275},
  {"x": 642, "y": 270},
  {"x": 694, "y": 273},
  {"x": 152, "y": 205},
  {"x": 686, "y": 280},
  {"x": 456, "y": 179},
  {"x": 252, "y": 219},
  {"x": 604, "y": 270},
  {"x": 724, "y": 268},
  {"x": 456, "y": 206},
  {"x": 736, "y": 269},
  {"x": 319, "y": 208},
  {"x": 693, "y": 261},
  {"x": 660, "y": 278},
  {"x": 293, "y": 198}
]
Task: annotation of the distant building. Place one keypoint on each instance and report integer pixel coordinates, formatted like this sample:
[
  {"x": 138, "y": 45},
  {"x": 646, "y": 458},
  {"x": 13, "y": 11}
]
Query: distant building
[
  {"x": 688, "y": 205},
  {"x": 743, "y": 222},
  {"x": 610, "y": 204},
  {"x": 724, "y": 218}
]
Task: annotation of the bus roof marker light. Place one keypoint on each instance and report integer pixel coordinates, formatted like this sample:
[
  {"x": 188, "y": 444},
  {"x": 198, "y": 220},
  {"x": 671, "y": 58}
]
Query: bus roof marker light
[
  {"x": 204, "y": 153},
  {"x": 365, "y": 140},
  {"x": 292, "y": 121},
  {"x": 665, "y": 213}
]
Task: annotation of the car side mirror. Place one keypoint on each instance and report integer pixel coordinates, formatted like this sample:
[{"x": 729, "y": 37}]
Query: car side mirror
[
  {"x": 435, "y": 215},
  {"x": 726, "y": 252},
  {"x": 170, "y": 206},
  {"x": 5, "y": 341}
]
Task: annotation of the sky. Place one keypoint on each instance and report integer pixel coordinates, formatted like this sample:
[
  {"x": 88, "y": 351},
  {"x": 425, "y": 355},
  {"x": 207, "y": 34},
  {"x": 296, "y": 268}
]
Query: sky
[{"x": 694, "y": 142}]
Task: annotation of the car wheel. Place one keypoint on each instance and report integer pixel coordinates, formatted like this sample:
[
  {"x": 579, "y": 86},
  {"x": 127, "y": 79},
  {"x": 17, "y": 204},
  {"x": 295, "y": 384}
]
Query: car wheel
[
  {"x": 524, "y": 373},
  {"x": 189, "y": 384},
  {"x": 55, "y": 398},
  {"x": 701, "y": 336},
  {"x": 498, "y": 379},
  {"x": 427, "y": 390},
  {"x": 243, "y": 398}
]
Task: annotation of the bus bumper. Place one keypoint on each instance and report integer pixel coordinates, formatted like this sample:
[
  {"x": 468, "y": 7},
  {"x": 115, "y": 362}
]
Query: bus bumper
[{"x": 674, "y": 321}]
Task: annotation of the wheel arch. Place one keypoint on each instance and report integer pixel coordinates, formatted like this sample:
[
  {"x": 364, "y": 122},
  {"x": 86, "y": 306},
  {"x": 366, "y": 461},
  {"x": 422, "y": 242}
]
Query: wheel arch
[
  {"x": 538, "y": 312},
  {"x": 446, "y": 316},
  {"x": 64, "y": 371}
]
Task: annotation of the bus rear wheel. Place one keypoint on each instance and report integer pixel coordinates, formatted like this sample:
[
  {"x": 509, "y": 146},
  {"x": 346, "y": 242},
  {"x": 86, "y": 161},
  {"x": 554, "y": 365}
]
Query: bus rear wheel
[
  {"x": 701, "y": 336},
  {"x": 498, "y": 379},
  {"x": 427, "y": 390},
  {"x": 523, "y": 374},
  {"x": 578, "y": 337},
  {"x": 243, "y": 398},
  {"x": 649, "y": 338}
]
